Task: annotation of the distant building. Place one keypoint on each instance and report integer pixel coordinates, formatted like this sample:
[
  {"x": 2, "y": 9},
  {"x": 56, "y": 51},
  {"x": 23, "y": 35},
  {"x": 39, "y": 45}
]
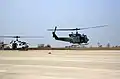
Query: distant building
[
  {"x": 99, "y": 45},
  {"x": 48, "y": 46},
  {"x": 44, "y": 46},
  {"x": 41, "y": 45},
  {"x": 108, "y": 45}
]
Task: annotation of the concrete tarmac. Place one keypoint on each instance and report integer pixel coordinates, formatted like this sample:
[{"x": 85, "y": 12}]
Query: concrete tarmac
[{"x": 60, "y": 64}]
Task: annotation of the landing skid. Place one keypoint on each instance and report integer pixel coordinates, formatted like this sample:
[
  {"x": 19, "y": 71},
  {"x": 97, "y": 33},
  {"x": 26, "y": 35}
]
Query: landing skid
[
  {"x": 84, "y": 44},
  {"x": 77, "y": 46}
]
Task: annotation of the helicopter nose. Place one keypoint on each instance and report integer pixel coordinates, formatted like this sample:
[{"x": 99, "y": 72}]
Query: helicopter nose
[{"x": 87, "y": 39}]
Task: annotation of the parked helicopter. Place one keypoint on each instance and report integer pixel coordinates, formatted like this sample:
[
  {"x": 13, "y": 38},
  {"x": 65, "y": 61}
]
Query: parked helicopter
[
  {"x": 15, "y": 43},
  {"x": 75, "y": 38},
  {"x": 3, "y": 45}
]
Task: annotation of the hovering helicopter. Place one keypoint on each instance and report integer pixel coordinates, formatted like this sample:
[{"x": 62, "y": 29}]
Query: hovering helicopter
[
  {"x": 75, "y": 38},
  {"x": 15, "y": 43}
]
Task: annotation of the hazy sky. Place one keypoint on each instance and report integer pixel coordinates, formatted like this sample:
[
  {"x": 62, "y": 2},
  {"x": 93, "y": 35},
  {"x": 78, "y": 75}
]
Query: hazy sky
[{"x": 34, "y": 17}]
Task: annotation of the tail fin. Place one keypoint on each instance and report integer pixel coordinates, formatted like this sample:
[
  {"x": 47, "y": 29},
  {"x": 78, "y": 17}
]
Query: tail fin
[{"x": 54, "y": 35}]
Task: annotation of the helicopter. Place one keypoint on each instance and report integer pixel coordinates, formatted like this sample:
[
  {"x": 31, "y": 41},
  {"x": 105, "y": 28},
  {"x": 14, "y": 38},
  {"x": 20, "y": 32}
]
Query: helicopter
[
  {"x": 3, "y": 45},
  {"x": 74, "y": 38},
  {"x": 15, "y": 43}
]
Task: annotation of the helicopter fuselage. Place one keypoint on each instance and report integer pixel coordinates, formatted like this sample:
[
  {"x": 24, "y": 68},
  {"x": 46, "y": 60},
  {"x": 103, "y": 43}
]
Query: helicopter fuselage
[{"x": 73, "y": 38}]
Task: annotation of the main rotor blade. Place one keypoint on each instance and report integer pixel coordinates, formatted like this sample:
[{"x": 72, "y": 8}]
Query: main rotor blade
[
  {"x": 62, "y": 29},
  {"x": 31, "y": 37},
  {"x": 21, "y": 36},
  {"x": 6, "y": 36},
  {"x": 92, "y": 27},
  {"x": 75, "y": 28}
]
